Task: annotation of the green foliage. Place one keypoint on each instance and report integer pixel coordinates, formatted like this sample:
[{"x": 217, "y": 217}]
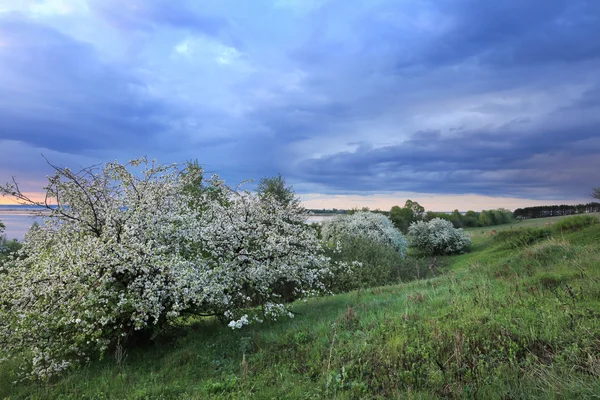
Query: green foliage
[
  {"x": 415, "y": 207},
  {"x": 495, "y": 217},
  {"x": 515, "y": 238},
  {"x": 430, "y": 215},
  {"x": 575, "y": 223},
  {"x": 196, "y": 187},
  {"x": 380, "y": 264},
  {"x": 470, "y": 219},
  {"x": 276, "y": 187},
  {"x": 8, "y": 248},
  {"x": 403, "y": 217}
]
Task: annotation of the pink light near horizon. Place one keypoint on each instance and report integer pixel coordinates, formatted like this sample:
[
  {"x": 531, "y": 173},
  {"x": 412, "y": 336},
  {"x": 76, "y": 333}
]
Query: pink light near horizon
[{"x": 431, "y": 202}]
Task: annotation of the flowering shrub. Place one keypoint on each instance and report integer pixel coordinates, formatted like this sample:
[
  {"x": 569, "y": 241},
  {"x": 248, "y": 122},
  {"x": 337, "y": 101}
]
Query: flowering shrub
[
  {"x": 126, "y": 252},
  {"x": 438, "y": 236},
  {"x": 375, "y": 227}
]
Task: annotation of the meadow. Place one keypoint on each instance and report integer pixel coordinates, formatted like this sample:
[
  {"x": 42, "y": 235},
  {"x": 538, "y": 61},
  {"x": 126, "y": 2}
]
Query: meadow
[{"x": 498, "y": 322}]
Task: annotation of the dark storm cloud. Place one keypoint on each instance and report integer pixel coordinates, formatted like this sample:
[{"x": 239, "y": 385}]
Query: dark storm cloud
[
  {"x": 491, "y": 163},
  {"x": 513, "y": 33}
]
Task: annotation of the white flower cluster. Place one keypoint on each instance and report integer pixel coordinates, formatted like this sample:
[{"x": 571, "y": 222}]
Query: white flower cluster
[
  {"x": 438, "y": 236},
  {"x": 128, "y": 251},
  {"x": 367, "y": 225}
]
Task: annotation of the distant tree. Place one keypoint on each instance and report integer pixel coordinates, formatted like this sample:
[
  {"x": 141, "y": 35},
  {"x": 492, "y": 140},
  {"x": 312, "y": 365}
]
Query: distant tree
[
  {"x": 486, "y": 218},
  {"x": 277, "y": 188},
  {"x": 596, "y": 193},
  {"x": 2, "y": 228},
  {"x": 417, "y": 209},
  {"x": 457, "y": 219},
  {"x": 470, "y": 219},
  {"x": 556, "y": 210},
  {"x": 402, "y": 217},
  {"x": 430, "y": 215}
]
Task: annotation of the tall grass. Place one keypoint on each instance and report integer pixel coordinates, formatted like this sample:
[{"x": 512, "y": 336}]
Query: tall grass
[{"x": 575, "y": 223}]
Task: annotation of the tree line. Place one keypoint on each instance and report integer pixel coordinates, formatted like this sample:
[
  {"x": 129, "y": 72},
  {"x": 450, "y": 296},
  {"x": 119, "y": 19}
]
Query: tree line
[
  {"x": 556, "y": 210},
  {"x": 403, "y": 217}
]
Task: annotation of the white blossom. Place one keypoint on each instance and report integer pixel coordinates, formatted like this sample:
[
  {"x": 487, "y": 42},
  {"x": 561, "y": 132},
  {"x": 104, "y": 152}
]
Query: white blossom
[
  {"x": 368, "y": 225},
  {"x": 129, "y": 250},
  {"x": 438, "y": 236}
]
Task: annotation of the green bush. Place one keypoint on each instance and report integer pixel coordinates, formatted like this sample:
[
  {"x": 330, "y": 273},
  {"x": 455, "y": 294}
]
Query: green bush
[
  {"x": 380, "y": 264},
  {"x": 515, "y": 238},
  {"x": 575, "y": 223},
  {"x": 8, "y": 248}
]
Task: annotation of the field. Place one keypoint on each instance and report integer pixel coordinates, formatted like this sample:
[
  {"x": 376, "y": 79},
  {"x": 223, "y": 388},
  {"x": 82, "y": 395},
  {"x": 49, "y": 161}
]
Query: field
[
  {"x": 498, "y": 322},
  {"x": 478, "y": 233}
]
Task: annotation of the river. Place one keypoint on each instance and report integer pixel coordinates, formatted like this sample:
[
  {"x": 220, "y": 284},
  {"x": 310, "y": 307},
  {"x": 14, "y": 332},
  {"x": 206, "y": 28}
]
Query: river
[{"x": 18, "y": 219}]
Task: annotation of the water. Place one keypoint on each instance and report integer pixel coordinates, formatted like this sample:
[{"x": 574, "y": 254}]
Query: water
[
  {"x": 18, "y": 219},
  {"x": 318, "y": 218}
]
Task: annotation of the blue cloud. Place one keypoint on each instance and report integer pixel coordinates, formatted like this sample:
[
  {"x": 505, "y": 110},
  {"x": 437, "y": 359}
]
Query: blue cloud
[
  {"x": 152, "y": 14},
  {"x": 58, "y": 93}
]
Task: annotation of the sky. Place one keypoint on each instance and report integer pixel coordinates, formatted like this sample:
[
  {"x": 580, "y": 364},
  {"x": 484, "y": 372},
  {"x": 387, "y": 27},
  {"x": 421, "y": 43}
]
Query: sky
[{"x": 464, "y": 104}]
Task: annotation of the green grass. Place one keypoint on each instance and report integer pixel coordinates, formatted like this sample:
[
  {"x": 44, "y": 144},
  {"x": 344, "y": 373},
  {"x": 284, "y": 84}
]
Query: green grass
[
  {"x": 499, "y": 323},
  {"x": 480, "y": 233}
]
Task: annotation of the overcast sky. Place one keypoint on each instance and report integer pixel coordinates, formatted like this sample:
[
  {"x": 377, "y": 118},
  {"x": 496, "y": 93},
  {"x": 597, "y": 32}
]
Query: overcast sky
[{"x": 353, "y": 102}]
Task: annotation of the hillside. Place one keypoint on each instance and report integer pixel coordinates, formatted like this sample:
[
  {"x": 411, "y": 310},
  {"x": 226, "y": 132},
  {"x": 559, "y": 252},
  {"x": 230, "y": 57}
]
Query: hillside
[{"x": 495, "y": 323}]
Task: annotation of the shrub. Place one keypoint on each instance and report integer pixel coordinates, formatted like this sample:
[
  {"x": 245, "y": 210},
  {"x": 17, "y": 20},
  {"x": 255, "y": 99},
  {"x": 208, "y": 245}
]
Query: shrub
[
  {"x": 8, "y": 248},
  {"x": 515, "y": 238},
  {"x": 125, "y": 253},
  {"x": 575, "y": 223},
  {"x": 366, "y": 225},
  {"x": 379, "y": 264},
  {"x": 369, "y": 242},
  {"x": 438, "y": 236}
]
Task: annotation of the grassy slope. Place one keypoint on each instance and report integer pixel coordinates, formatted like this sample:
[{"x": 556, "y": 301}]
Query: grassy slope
[{"x": 498, "y": 324}]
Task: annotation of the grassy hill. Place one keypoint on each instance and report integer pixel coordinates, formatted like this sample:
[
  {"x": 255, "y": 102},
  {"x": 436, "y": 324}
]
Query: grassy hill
[{"x": 498, "y": 322}]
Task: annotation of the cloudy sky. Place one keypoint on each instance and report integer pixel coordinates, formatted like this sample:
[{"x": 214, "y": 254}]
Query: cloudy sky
[{"x": 454, "y": 103}]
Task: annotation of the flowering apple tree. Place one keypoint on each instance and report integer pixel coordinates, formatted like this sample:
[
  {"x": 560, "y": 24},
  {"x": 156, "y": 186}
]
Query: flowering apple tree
[{"x": 127, "y": 249}]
